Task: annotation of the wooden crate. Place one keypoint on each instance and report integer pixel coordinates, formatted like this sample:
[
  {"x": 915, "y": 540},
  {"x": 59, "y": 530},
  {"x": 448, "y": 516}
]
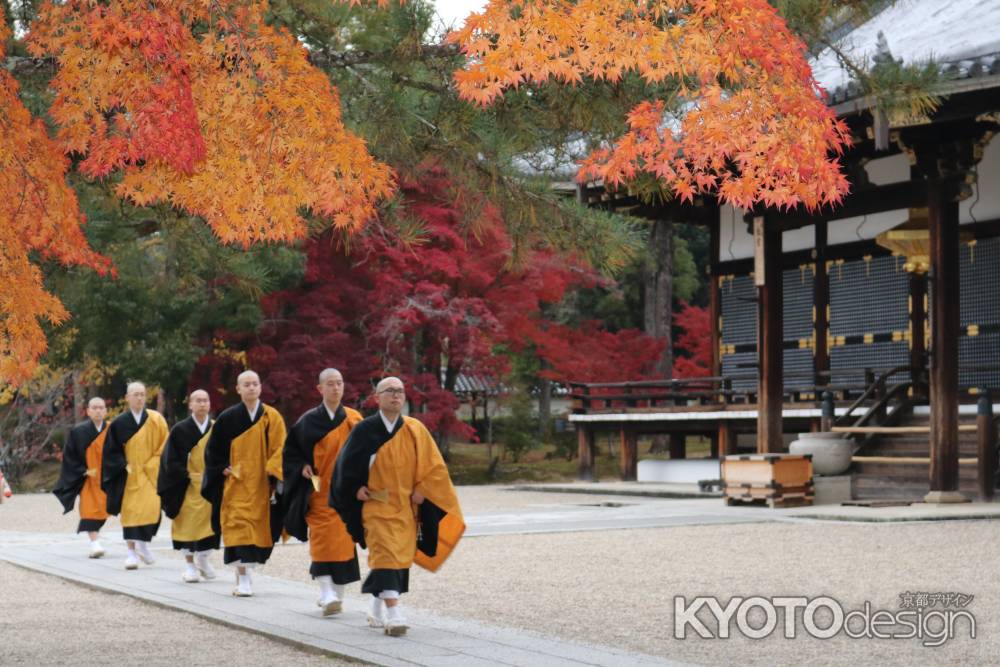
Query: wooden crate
[
  {"x": 767, "y": 470},
  {"x": 797, "y": 500},
  {"x": 777, "y": 480}
]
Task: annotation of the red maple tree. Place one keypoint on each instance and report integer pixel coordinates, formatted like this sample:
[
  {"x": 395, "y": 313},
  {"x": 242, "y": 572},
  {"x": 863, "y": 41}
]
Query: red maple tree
[
  {"x": 694, "y": 343},
  {"x": 372, "y": 305}
]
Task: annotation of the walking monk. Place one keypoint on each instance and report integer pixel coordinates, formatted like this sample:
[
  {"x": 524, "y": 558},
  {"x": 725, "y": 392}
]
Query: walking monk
[
  {"x": 80, "y": 474},
  {"x": 242, "y": 468},
  {"x": 310, "y": 452},
  {"x": 392, "y": 490},
  {"x": 179, "y": 486},
  {"x": 130, "y": 465}
]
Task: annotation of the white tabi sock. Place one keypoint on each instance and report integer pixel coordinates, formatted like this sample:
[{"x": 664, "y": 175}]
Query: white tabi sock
[
  {"x": 339, "y": 590},
  {"x": 326, "y": 593},
  {"x": 377, "y": 614}
]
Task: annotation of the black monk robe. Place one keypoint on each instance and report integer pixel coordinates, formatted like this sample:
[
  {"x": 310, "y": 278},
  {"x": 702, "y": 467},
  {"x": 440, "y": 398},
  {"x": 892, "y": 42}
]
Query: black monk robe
[
  {"x": 248, "y": 521},
  {"x": 316, "y": 440},
  {"x": 80, "y": 475},
  {"x": 393, "y": 466},
  {"x": 130, "y": 467},
  {"x": 179, "y": 486}
]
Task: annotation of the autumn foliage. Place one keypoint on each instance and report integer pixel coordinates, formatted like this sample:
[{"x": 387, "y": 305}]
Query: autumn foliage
[
  {"x": 194, "y": 103},
  {"x": 744, "y": 117},
  {"x": 694, "y": 344},
  {"x": 449, "y": 304},
  {"x": 38, "y": 214},
  {"x": 202, "y": 105}
]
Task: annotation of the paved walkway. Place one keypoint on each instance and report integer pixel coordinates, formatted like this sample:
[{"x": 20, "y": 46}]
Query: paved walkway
[{"x": 285, "y": 611}]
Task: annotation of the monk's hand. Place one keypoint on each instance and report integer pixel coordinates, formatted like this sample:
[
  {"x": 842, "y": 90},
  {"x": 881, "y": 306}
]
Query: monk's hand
[
  {"x": 307, "y": 471},
  {"x": 227, "y": 472},
  {"x": 363, "y": 494},
  {"x": 417, "y": 498}
]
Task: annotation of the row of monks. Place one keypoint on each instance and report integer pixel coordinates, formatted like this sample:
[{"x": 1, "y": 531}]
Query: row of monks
[{"x": 335, "y": 479}]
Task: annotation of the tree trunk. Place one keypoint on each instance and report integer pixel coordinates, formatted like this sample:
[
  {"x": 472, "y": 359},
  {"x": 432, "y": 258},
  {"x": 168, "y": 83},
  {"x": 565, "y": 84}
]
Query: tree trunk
[
  {"x": 659, "y": 292},
  {"x": 658, "y": 301},
  {"x": 544, "y": 407}
]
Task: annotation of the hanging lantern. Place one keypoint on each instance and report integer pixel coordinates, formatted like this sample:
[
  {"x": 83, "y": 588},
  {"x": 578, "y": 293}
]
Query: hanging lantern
[{"x": 911, "y": 240}]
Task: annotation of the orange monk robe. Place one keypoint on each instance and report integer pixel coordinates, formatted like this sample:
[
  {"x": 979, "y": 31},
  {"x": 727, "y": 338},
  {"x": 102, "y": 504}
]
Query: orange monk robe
[
  {"x": 80, "y": 475},
  {"x": 315, "y": 440},
  {"x": 396, "y": 532},
  {"x": 252, "y": 449}
]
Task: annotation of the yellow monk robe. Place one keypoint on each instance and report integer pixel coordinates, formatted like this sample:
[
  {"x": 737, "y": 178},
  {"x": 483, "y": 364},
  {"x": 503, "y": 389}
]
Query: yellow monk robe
[
  {"x": 80, "y": 475},
  {"x": 181, "y": 468},
  {"x": 315, "y": 440},
  {"x": 252, "y": 448},
  {"x": 130, "y": 466},
  {"x": 396, "y": 532}
]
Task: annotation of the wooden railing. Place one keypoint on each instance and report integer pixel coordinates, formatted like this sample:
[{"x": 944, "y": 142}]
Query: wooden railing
[{"x": 799, "y": 387}]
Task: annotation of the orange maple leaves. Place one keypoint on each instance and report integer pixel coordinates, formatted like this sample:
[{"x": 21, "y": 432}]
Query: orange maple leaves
[
  {"x": 747, "y": 122},
  {"x": 230, "y": 123},
  {"x": 38, "y": 214},
  {"x": 195, "y": 103}
]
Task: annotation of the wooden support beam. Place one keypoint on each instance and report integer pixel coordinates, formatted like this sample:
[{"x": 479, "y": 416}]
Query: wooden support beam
[
  {"x": 628, "y": 455},
  {"x": 821, "y": 304},
  {"x": 986, "y": 477},
  {"x": 896, "y": 430},
  {"x": 918, "y": 341},
  {"x": 678, "y": 446},
  {"x": 715, "y": 301},
  {"x": 945, "y": 317},
  {"x": 585, "y": 443},
  {"x": 770, "y": 341},
  {"x": 906, "y": 194},
  {"x": 727, "y": 439}
]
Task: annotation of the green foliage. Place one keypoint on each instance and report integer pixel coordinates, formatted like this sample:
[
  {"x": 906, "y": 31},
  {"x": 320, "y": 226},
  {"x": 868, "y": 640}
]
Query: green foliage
[
  {"x": 517, "y": 431},
  {"x": 176, "y": 285}
]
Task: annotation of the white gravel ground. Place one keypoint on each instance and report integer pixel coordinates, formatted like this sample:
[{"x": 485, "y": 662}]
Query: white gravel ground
[{"x": 617, "y": 587}]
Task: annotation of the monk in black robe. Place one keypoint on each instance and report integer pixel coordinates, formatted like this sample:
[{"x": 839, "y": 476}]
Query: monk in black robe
[
  {"x": 179, "y": 486},
  {"x": 242, "y": 468},
  {"x": 129, "y": 470},
  {"x": 392, "y": 490},
  {"x": 80, "y": 474},
  {"x": 310, "y": 451}
]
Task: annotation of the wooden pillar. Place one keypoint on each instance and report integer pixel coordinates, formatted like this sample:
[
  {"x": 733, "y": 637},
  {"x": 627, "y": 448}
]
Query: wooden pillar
[
  {"x": 987, "y": 464},
  {"x": 821, "y": 307},
  {"x": 918, "y": 341},
  {"x": 727, "y": 439},
  {"x": 944, "y": 281},
  {"x": 770, "y": 336},
  {"x": 715, "y": 302},
  {"x": 585, "y": 442},
  {"x": 628, "y": 455},
  {"x": 678, "y": 443}
]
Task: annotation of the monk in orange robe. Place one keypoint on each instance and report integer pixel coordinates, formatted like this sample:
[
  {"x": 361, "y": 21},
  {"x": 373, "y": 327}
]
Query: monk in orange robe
[
  {"x": 310, "y": 451},
  {"x": 80, "y": 474},
  {"x": 392, "y": 489}
]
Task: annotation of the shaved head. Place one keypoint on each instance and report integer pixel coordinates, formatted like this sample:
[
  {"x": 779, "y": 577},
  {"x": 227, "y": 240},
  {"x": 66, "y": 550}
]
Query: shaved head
[
  {"x": 247, "y": 375},
  {"x": 97, "y": 410},
  {"x": 329, "y": 372},
  {"x": 331, "y": 388},
  {"x": 199, "y": 404},
  {"x": 248, "y": 387},
  {"x": 135, "y": 395},
  {"x": 385, "y": 383}
]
